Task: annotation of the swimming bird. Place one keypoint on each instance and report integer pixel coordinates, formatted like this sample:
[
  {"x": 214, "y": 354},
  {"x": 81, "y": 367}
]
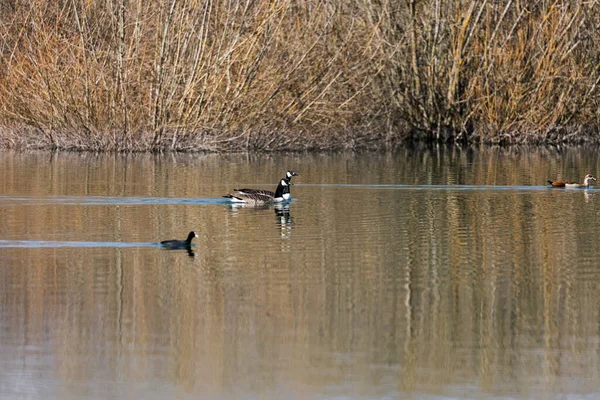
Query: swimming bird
[
  {"x": 261, "y": 197},
  {"x": 570, "y": 184},
  {"x": 288, "y": 176},
  {"x": 180, "y": 244}
]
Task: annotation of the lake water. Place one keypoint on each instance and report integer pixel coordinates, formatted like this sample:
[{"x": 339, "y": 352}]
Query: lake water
[{"x": 432, "y": 273}]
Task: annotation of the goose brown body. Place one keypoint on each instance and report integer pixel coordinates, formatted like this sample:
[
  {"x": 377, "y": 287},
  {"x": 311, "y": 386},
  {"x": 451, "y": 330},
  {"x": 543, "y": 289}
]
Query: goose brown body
[
  {"x": 570, "y": 184},
  {"x": 558, "y": 183},
  {"x": 259, "y": 193},
  {"x": 261, "y": 196},
  {"x": 255, "y": 192}
]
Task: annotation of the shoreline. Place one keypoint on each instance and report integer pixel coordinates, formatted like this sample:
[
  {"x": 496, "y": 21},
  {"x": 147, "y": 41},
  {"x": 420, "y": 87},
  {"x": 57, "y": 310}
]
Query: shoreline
[{"x": 30, "y": 139}]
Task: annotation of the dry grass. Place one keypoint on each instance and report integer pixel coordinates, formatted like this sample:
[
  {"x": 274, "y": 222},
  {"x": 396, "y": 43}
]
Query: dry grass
[
  {"x": 496, "y": 71},
  {"x": 294, "y": 75}
]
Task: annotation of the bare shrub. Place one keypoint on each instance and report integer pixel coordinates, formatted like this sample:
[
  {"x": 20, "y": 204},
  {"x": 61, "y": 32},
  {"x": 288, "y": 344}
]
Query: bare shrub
[
  {"x": 296, "y": 74},
  {"x": 482, "y": 69}
]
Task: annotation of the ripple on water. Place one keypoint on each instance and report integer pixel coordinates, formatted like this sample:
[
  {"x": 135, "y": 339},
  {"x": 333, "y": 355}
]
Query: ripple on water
[
  {"x": 53, "y": 244},
  {"x": 356, "y": 290}
]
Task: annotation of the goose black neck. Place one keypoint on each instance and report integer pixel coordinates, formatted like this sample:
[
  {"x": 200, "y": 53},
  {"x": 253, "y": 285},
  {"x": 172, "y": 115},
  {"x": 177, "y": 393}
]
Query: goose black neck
[{"x": 282, "y": 189}]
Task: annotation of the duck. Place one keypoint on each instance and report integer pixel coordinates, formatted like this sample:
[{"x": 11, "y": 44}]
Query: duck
[
  {"x": 259, "y": 197},
  {"x": 570, "y": 184},
  {"x": 180, "y": 244}
]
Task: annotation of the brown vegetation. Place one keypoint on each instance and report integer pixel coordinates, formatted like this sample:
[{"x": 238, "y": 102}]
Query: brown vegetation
[{"x": 295, "y": 74}]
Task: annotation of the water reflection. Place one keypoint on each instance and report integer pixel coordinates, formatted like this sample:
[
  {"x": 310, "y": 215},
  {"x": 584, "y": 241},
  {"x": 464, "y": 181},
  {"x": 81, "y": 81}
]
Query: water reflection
[
  {"x": 282, "y": 214},
  {"x": 282, "y": 211},
  {"x": 187, "y": 249},
  {"x": 437, "y": 273},
  {"x": 236, "y": 208},
  {"x": 283, "y": 217}
]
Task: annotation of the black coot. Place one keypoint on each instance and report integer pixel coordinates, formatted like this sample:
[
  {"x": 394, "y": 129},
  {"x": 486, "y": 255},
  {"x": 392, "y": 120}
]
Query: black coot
[{"x": 179, "y": 244}]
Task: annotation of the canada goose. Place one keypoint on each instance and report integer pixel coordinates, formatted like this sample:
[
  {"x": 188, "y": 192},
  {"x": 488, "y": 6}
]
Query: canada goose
[
  {"x": 260, "y": 197},
  {"x": 288, "y": 177},
  {"x": 569, "y": 184},
  {"x": 179, "y": 244}
]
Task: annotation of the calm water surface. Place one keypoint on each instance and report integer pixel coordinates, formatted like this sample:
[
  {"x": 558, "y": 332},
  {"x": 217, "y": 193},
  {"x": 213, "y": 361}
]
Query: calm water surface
[{"x": 436, "y": 273}]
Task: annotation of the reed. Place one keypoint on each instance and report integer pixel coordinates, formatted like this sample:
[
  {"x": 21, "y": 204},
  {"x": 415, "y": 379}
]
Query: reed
[
  {"x": 494, "y": 71},
  {"x": 129, "y": 75}
]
